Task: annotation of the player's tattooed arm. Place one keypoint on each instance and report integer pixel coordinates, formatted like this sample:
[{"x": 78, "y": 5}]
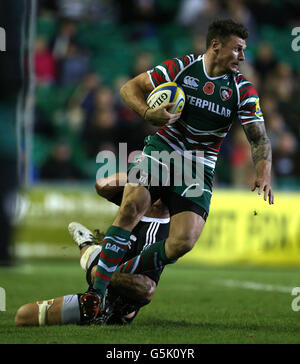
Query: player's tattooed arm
[
  {"x": 259, "y": 141},
  {"x": 262, "y": 158}
]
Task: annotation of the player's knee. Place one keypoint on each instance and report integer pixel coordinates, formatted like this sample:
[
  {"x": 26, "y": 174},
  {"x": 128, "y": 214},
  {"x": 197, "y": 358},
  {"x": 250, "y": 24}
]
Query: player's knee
[
  {"x": 100, "y": 189},
  {"x": 103, "y": 188},
  {"x": 180, "y": 245},
  {"x": 135, "y": 202},
  {"x": 108, "y": 186},
  {"x": 24, "y": 315},
  {"x": 129, "y": 210}
]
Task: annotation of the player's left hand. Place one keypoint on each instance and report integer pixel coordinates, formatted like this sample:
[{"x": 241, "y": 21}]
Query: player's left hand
[{"x": 263, "y": 185}]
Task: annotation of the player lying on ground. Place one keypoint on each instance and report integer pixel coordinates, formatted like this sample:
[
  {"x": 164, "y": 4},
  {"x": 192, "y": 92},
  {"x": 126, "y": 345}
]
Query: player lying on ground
[{"x": 128, "y": 291}]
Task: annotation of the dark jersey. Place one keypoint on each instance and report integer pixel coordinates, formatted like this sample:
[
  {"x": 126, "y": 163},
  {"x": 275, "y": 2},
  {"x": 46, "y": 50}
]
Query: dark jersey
[{"x": 212, "y": 104}]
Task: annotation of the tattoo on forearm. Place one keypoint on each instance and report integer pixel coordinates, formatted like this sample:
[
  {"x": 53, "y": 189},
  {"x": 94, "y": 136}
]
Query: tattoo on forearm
[{"x": 259, "y": 141}]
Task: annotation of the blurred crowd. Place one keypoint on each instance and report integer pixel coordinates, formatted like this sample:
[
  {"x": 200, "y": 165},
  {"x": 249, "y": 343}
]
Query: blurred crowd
[{"x": 86, "y": 49}]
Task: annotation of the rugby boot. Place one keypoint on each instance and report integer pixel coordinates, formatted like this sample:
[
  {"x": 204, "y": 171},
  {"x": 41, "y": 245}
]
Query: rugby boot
[{"x": 81, "y": 235}]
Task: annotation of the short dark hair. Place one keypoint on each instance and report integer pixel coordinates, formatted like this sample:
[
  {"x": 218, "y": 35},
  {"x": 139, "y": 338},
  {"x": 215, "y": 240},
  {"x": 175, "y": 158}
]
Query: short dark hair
[{"x": 223, "y": 29}]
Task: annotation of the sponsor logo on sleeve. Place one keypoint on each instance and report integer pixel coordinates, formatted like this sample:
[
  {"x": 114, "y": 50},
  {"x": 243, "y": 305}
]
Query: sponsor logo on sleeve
[{"x": 258, "y": 112}]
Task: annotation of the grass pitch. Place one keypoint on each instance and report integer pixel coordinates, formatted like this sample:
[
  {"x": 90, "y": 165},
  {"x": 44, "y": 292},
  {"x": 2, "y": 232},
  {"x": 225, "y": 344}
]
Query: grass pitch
[{"x": 192, "y": 305}]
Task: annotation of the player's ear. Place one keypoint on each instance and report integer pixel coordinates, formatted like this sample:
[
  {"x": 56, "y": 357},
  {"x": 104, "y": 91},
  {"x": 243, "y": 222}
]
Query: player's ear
[{"x": 215, "y": 45}]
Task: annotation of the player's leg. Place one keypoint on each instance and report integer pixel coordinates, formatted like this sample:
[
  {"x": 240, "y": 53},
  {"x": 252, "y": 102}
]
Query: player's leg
[
  {"x": 147, "y": 232},
  {"x": 185, "y": 229},
  {"x": 135, "y": 202},
  {"x": 134, "y": 288},
  {"x": 56, "y": 311},
  {"x": 111, "y": 188},
  {"x": 137, "y": 289},
  {"x": 187, "y": 222},
  {"x": 76, "y": 309}
]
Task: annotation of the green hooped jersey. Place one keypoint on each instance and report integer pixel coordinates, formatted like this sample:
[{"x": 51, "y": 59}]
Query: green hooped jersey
[{"x": 212, "y": 104}]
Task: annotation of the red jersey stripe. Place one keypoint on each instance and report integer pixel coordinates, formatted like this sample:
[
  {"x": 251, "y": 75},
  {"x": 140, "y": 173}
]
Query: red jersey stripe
[{"x": 110, "y": 260}]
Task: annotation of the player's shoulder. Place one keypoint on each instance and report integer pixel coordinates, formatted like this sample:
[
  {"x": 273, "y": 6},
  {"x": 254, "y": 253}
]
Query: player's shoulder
[
  {"x": 189, "y": 58},
  {"x": 245, "y": 88},
  {"x": 170, "y": 69},
  {"x": 183, "y": 62}
]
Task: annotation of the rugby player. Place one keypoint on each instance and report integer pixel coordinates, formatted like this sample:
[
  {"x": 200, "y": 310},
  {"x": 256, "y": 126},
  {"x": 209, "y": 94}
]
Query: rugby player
[
  {"x": 217, "y": 94},
  {"x": 127, "y": 293}
]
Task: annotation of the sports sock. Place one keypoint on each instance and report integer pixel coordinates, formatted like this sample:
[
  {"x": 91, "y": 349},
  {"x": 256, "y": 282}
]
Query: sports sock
[
  {"x": 154, "y": 257},
  {"x": 115, "y": 245}
]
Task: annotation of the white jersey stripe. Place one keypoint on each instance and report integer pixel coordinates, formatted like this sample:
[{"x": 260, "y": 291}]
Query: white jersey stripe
[
  {"x": 135, "y": 264},
  {"x": 163, "y": 70},
  {"x": 202, "y": 160},
  {"x": 115, "y": 240},
  {"x": 104, "y": 266}
]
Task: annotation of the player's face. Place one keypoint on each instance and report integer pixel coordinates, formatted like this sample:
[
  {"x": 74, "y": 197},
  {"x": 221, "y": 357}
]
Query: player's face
[{"x": 232, "y": 53}]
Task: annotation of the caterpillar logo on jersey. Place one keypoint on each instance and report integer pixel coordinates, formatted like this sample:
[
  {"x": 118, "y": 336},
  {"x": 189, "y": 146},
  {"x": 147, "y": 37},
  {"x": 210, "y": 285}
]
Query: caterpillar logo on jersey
[
  {"x": 210, "y": 106},
  {"x": 191, "y": 82},
  {"x": 225, "y": 93},
  {"x": 112, "y": 247}
]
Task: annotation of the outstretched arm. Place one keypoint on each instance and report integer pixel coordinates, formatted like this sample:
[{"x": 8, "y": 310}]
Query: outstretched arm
[{"x": 262, "y": 158}]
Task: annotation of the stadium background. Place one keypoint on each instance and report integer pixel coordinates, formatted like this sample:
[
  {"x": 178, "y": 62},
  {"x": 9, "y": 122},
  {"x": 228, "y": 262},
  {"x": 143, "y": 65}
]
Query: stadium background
[{"x": 84, "y": 51}]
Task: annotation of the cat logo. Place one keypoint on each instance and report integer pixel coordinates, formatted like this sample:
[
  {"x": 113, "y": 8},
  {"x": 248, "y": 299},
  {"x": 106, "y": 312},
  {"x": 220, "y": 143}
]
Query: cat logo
[{"x": 112, "y": 247}]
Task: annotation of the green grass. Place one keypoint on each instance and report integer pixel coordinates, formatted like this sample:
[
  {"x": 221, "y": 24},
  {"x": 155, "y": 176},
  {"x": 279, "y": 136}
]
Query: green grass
[{"x": 192, "y": 305}]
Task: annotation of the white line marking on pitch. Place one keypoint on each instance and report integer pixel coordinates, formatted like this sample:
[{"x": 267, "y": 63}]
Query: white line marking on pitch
[{"x": 254, "y": 286}]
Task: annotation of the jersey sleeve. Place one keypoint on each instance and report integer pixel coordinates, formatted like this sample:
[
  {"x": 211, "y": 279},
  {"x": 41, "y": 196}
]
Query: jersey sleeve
[
  {"x": 168, "y": 70},
  {"x": 249, "y": 108}
]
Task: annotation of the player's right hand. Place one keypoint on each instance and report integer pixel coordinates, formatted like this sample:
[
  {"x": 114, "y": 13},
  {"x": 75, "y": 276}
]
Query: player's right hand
[{"x": 160, "y": 115}]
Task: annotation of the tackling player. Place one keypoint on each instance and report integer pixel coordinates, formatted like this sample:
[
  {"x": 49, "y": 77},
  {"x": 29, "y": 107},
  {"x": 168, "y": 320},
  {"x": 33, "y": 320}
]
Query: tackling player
[{"x": 128, "y": 292}]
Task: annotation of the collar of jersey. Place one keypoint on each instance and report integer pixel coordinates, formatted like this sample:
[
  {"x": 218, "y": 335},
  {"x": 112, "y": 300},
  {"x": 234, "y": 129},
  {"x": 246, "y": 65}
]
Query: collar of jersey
[{"x": 204, "y": 70}]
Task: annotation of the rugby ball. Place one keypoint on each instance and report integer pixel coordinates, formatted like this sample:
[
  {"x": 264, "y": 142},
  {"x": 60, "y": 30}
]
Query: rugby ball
[{"x": 165, "y": 93}]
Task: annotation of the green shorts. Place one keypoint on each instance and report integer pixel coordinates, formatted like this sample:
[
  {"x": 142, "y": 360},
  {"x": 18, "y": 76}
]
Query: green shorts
[{"x": 181, "y": 183}]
